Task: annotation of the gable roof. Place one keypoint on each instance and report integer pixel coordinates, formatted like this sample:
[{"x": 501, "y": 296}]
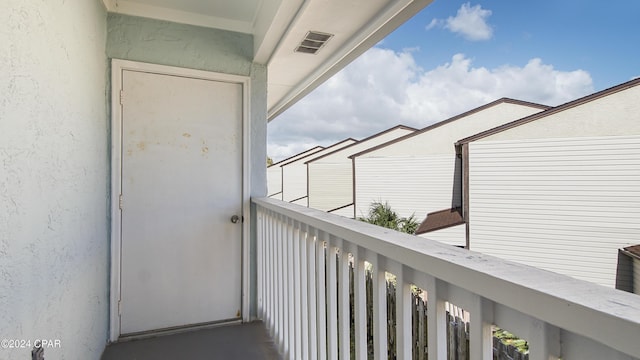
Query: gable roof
[
  {"x": 354, "y": 141},
  {"x": 551, "y": 111},
  {"x": 297, "y": 156},
  {"x": 397, "y": 127},
  {"x": 633, "y": 250},
  {"x": 452, "y": 119},
  {"x": 442, "y": 219}
]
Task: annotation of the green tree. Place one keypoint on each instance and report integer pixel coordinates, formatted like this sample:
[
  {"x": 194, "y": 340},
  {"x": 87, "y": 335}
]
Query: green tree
[{"x": 382, "y": 215}]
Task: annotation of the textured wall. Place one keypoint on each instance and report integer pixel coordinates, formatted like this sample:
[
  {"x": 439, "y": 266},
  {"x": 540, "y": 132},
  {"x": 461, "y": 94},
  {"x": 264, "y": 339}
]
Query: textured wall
[
  {"x": 258, "y": 149},
  {"x": 53, "y": 182},
  {"x": 167, "y": 43}
]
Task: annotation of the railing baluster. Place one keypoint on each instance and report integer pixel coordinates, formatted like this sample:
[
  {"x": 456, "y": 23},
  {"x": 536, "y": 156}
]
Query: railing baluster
[
  {"x": 298, "y": 236},
  {"x": 282, "y": 284},
  {"x": 436, "y": 318},
  {"x": 312, "y": 239},
  {"x": 332, "y": 300},
  {"x": 271, "y": 277},
  {"x": 403, "y": 315},
  {"x": 303, "y": 269},
  {"x": 421, "y": 280},
  {"x": 480, "y": 338},
  {"x": 360, "y": 303},
  {"x": 289, "y": 291},
  {"x": 380, "y": 339},
  {"x": 544, "y": 341},
  {"x": 343, "y": 305},
  {"x": 274, "y": 278},
  {"x": 268, "y": 273},
  {"x": 260, "y": 262},
  {"x": 322, "y": 249}
]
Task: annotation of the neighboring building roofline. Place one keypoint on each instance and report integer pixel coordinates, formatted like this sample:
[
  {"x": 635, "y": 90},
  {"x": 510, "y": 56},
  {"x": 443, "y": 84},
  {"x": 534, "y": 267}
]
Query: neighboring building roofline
[
  {"x": 298, "y": 154},
  {"x": 366, "y": 139},
  {"x": 633, "y": 251},
  {"x": 441, "y": 219},
  {"x": 452, "y": 119},
  {"x": 328, "y": 147},
  {"x": 551, "y": 111}
]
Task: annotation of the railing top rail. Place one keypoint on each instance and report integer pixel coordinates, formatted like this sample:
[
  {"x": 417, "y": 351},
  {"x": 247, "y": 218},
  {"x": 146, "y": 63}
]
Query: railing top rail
[{"x": 565, "y": 302}]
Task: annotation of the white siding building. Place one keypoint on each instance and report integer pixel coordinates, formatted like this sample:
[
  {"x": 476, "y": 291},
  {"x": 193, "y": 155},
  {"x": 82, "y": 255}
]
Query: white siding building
[
  {"x": 330, "y": 179},
  {"x": 560, "y": 189},
  {"x": 416, "y": 174},
  {"x": 294, "y": 173},
  {"x": 274, "y": 172}
]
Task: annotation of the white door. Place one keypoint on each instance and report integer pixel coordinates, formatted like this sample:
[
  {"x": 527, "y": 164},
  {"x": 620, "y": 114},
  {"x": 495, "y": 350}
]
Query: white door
[{"x": 181, "y": 184}]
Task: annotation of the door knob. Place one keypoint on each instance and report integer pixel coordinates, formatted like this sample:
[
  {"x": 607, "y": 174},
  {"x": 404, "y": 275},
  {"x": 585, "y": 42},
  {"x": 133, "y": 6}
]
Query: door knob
[{"x": 236, "y": 218}]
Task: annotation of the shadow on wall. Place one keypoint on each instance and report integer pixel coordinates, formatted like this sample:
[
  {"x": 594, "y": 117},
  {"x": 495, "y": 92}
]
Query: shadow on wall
[{"x": 456, "y": 199}]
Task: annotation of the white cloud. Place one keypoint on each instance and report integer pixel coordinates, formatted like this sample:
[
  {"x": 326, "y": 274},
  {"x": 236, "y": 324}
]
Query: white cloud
[
  {"x": 384, "y": 88},
  {"x": 434, "y": 24},
  {"x": 470, "y": 22}
]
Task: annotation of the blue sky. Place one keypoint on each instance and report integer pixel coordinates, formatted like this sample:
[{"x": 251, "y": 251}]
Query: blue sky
[
  {"x": 457, "y": 55},
  {"x": 602, "y": 38}
]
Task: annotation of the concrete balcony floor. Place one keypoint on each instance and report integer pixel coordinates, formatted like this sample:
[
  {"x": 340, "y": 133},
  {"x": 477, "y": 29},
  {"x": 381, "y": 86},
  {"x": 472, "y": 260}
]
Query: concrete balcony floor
[{"x": 243, "y": 341}]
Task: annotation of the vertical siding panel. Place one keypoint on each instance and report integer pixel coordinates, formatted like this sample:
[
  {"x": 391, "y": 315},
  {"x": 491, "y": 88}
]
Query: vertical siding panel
[
  {"x": 455, "y": 235},
  {"x": 294, "y": 181},
  {"x": 413, "y": 185},
  {"x": 330, "y": 185},
  {"x": 564, "y": 205},
  {"x": 274, "y": 182},
  {"x": 331, "y": 177}
]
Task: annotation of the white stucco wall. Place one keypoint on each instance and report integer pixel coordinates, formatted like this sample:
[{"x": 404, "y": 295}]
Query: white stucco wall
[{"x": 53, "y": 183}]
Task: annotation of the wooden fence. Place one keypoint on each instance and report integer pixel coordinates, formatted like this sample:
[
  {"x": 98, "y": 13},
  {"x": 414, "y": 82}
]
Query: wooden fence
[{"x": 457, "y": 327}]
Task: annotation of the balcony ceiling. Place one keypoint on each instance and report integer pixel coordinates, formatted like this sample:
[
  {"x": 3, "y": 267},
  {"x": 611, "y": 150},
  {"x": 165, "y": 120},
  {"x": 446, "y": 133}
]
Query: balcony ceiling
[{"x": 278, "y": 26}]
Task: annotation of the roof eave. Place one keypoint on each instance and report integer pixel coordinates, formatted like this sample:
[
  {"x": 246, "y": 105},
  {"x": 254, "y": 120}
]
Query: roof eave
[
  {"x": 386, "y": 22},
  {"x": 551, "y": 111}
]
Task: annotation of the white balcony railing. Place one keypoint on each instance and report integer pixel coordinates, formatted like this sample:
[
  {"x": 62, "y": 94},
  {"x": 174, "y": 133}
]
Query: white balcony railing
[{"x": 303, "y": 293}]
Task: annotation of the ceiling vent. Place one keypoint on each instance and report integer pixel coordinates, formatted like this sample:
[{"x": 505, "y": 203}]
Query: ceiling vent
[{"x": 312, "y": 42}]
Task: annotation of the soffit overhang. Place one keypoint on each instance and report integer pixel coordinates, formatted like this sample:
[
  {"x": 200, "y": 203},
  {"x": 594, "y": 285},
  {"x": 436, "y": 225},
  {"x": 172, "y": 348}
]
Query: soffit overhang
[{"x": 279, "y": 26}]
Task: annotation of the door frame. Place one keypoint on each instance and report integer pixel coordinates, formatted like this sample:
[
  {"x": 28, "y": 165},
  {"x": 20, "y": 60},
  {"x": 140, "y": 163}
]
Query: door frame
[{"x": 117, "y": 68}]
